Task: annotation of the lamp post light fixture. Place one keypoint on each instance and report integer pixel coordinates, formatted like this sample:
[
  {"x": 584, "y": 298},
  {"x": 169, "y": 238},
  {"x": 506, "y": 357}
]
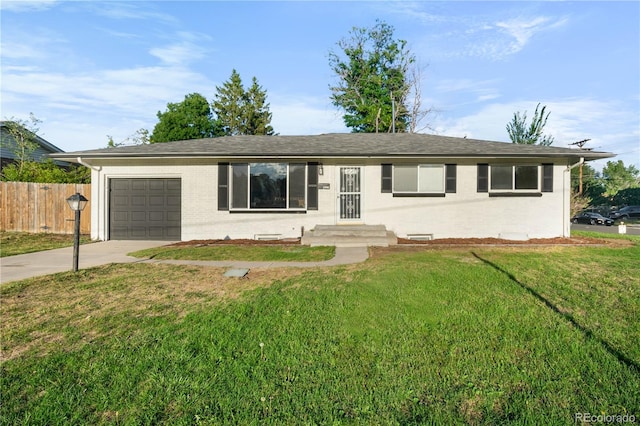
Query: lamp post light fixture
[{"x": 77, "y": 202}]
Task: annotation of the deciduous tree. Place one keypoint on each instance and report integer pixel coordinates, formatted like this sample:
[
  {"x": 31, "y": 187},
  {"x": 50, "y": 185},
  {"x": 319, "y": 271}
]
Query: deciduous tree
[
  {"x": 530, "y": 134},
  {"x": 140, "y": 137},
  {"x": 617, "y": 177},
  {"x": 372, "y": 83},
  {"x": 189, "y": 119},
  {"x": 24, "y": 135}
]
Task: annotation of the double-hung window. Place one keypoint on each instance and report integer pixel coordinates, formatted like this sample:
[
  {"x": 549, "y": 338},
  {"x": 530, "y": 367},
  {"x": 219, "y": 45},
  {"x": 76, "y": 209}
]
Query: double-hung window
[
  {"x": 268, "y": 186},
  {"x": 423, "y": 178},
  {"x": 419, "y": 180}
]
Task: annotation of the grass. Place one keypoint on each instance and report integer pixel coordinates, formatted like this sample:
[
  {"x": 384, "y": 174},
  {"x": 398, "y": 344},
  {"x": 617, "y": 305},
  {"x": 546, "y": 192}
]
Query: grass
[
  {"x": 13, "y": 243},
  {"x": 267, "y": 252},
  {"x": 413, "y": 336},
  {"x": 606, "y": 235}
]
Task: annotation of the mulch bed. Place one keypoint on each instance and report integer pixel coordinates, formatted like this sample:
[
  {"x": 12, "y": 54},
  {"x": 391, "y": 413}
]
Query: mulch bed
[
  {"x": 499, "y": 241},
  {"x": 404, "y": 241}
]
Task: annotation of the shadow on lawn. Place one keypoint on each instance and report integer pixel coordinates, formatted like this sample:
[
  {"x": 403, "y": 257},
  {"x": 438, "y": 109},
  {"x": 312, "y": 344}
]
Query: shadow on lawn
[{"x": 588, "y": 333}]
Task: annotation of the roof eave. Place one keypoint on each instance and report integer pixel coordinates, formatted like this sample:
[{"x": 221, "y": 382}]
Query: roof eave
[{"x": 588, "y": 156}]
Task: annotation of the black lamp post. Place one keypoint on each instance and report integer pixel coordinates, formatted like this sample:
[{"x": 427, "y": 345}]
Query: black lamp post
[{"x": 77, "y": 203}]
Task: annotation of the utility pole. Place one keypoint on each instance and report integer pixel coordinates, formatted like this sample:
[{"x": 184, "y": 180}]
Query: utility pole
[
  {"x": 393, "y": 114},
  {"x": 580, "y": 144}
]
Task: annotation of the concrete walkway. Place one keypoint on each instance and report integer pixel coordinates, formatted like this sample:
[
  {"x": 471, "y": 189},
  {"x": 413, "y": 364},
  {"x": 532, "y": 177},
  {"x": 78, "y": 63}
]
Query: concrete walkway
[{"x": 30, "y": 265}]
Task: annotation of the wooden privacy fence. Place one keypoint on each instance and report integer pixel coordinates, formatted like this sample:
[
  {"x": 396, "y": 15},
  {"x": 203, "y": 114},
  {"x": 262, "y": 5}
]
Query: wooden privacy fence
[{"x": 42, "y": 207}]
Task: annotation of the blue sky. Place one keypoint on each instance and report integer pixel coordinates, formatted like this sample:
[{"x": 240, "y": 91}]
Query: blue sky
[{"x": 92, "y": 69}]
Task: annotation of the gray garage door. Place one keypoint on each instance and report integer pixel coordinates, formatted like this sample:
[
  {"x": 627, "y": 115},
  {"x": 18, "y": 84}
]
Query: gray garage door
[{"x": 144, "y": 209}]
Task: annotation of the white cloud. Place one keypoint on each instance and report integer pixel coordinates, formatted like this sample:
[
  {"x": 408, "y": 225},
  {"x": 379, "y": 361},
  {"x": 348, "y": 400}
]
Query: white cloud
[
  {"x": 190, "y": 48},
  {"x": 16, "y": 50},
  {"x": 36, "y": 45},
  {"x": 570, "y": 120},
  {"x": 483, "y": 90},
  {"x": 300, "y": 115},
  {"x": 102, "y": 99},
  {"x": 27, "y": 5},
  {"x": 506, "y": 37},
  {"x": 130, "y": 10},
  {"x": 522, "y": 30},
  {"x": 489, "y": 35}
]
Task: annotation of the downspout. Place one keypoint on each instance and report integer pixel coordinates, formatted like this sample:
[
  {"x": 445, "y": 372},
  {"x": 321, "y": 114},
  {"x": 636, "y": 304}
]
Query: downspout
[
  {"x": 96, "y": 200},
  {"x": 565, "y": 217}
]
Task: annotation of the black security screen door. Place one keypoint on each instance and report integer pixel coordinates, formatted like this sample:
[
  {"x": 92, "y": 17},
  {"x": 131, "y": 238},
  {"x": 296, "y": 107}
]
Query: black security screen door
[{"x": 350, "y": 193}]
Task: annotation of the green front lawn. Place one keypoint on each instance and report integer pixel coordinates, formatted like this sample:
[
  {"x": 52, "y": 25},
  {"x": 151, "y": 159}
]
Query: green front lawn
[
  {"x": 13, "y": 243},
  {"x": 412, "y": 336},
  {"x": 249, "y": 252}
]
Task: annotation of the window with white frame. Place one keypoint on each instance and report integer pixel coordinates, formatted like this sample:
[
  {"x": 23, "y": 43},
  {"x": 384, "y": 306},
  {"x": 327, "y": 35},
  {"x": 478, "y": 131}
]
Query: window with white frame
[
  {"x": 514, "y": 177},
  {"x": 268, "y": 186},
  {"x": 423, "y": 178}
]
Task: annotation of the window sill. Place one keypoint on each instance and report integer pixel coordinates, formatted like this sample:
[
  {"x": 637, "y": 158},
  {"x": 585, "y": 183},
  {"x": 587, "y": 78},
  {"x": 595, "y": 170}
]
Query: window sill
[
  {"x": 515, "y": 194},
  {"x": 258, "y": 211},
  {"x": 419, "y": 194}
]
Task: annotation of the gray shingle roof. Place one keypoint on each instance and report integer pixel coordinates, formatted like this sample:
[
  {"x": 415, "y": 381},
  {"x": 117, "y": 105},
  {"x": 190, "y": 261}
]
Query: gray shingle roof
[{"x": 382, "y": 145}]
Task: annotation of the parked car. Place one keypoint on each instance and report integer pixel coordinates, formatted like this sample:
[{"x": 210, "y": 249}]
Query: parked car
[
  {"x": 592, "y": 219},
  {"x": 626, "y": 213}
]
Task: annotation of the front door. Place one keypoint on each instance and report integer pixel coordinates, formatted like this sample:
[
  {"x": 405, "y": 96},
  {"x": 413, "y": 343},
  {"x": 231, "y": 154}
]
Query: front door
[{"x": 350, "y": 196}]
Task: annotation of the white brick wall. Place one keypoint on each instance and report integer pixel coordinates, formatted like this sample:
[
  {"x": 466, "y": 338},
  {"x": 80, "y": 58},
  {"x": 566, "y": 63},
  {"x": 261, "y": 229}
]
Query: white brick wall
[{"x": 466, "y": 213}]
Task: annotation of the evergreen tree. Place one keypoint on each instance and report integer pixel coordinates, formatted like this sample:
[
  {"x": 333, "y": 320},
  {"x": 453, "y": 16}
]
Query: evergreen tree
[
  {"x": 242, "y": 112},
  {"x": 228, "y": 104},
  {"x": 258, "y": 117}
]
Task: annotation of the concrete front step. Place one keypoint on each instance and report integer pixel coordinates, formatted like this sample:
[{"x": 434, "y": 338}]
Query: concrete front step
[{"x": 349, "y": 236}]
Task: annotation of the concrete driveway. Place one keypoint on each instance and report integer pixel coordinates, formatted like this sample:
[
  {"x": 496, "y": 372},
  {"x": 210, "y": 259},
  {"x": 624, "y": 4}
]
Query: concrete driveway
[{"x": 30, "y": 265}]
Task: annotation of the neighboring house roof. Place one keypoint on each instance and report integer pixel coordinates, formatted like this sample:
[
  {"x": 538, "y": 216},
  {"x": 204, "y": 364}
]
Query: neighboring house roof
[
  {"x": 8, "y": 146},
  {"x": 335, "y": 145}
]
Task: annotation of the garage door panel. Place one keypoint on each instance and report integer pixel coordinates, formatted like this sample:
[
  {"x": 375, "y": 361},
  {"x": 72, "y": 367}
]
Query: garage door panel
[
  {"x": 156, "y": 232},
  {"x": 139, "y": 184},
  {"x": 145, "y": 209},
  {"x": 174, "y": 185},
  {"x": 138, "y": 200},
  {"x": 156, "y": 216},
  {"x": 139, "y": 232},
  {"x": 156, "y": 200},
  {"x": 157, "y": 185},
  {"x": 138, "y": 217},
  {"x": 120, "y": 201},
  {"x": 119, "y": 230},
  {"x": 120, "y": 184},
  {"x": 173, "y": 232},
  {"x": 120, "y": 217}
]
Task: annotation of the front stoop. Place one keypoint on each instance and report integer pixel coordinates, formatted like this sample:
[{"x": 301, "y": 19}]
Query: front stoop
[{"x": 349, "y": 236}]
